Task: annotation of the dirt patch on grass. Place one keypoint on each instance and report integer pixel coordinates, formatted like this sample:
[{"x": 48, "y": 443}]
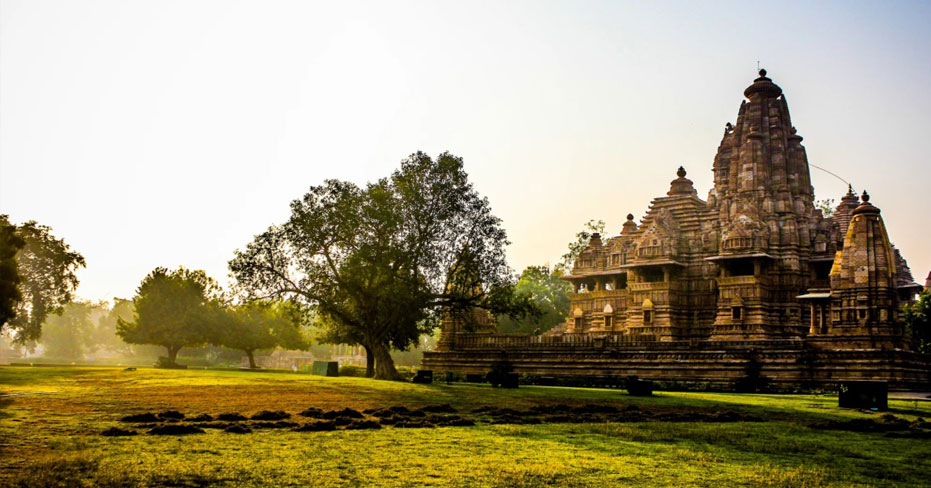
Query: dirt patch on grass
[
  {"x": 237, "y": 429},
  {"x": 118, "y": 432},
  {"x": 888, "y": 424},
  {"x": 321, "y": 426},
  {"x": 147, "y": 417},
  {"x": 231, "y": 417},
  {"x": 271, "y": 415},
  {"x": 175, "y": 429}
]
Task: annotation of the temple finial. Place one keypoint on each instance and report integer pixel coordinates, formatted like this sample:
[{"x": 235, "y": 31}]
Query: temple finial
[
  {"x": 762, "y": 73},
  {"x": 681, "y": 172},
  {"x": 865, "y": 197}
]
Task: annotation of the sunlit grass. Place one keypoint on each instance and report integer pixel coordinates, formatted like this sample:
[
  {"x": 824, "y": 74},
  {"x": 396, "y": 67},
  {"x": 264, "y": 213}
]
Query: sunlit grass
[{"x": 57, "y": 434}]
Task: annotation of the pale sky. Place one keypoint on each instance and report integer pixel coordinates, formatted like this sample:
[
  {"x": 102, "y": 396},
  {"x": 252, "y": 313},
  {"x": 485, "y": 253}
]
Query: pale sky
[{"x": 166, "y": 133}]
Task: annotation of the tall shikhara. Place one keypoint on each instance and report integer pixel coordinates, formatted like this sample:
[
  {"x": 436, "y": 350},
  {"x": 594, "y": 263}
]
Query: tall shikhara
[{"x": 755, "y": 267}]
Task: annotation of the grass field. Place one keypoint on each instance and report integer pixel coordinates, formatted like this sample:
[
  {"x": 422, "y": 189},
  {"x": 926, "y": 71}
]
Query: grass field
[{"x": 51, "y": 436}]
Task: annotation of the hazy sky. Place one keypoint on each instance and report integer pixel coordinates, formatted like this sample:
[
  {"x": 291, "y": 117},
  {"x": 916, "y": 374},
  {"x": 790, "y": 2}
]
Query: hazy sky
[{"x": 166, "y": 133}]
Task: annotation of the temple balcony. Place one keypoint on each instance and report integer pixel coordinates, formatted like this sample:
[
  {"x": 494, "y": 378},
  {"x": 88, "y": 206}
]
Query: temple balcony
[
  {"x": 650, "y": 251},
  {"x": 736, "y": 244},
  {"x": 729, "y": 281}
]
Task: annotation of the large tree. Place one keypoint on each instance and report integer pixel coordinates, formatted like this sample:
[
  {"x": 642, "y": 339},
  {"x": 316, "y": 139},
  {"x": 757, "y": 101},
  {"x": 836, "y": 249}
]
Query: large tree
[
  {"x": 257, "y": 325},
  {"x": 173, "y": 309},
  {"x": 549, "y": 292},
  {"x": 10, "y": 296},
  {"x": 47, "y": 267},
  {"x": 375, "y": 262}
]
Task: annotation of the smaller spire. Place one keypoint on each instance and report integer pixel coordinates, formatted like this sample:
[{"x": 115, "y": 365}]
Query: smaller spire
[
  {"x": 681, "y": 185},
  {"x": 630, "y": 226},
  {"x": 595, "y": 240},
  {"x": 866, "y": 206},
  {"x": 763, "y": 85}
]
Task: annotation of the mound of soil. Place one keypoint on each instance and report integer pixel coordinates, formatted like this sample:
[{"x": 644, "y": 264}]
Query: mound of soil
[
  {"x": 274, "y": 425},
  {"x": 118, "y": 432},
  {"x": 363, "y": 424},
  {"x": 320, "y": 426},
  {"x": 438, "y": 419},
  {"x": 344, "y": 413},
  {"x": 269, "y": 415},
  {"x": 176, "y": 429},
  {"x": 140, "y": 418},
  {"x": 444, "y": 408},
  {"x": 215, "y": 425},
  {"x": 201, "y": 418},
  {"x": 414, "y": 424},
  {"x": 238, "y": 429},
  {"x": 171, "y": 414},
  {"x": 513, "y": 419},
  {"x": 550, "y": 409},
  {"x": 592, "y": 408},
  {"x": 231, "y": 417},
  {"x": 312, "y": 412}
]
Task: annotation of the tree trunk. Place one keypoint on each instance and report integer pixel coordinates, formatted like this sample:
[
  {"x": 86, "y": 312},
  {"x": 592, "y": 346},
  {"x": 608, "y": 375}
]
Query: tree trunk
[
  {"x": 369, "y": 362},
  {"x": 173, "y": 355},
  {"x": 249, "y": 353},
  {"x": 384, "y": 365}
]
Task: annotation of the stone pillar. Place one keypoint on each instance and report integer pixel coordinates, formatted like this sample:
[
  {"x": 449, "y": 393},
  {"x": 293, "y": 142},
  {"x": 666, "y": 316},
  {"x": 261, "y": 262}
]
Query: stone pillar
[{"x": 813, "y": 330}]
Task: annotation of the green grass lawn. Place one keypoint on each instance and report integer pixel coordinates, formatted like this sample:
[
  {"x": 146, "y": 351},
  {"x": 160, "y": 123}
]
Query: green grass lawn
[{"x": 53, "y": 438}]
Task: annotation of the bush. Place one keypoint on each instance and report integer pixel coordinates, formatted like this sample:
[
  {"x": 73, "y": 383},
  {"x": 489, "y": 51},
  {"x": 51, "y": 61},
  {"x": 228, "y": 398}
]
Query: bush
[
  {"x": 406, "y": 373},
  {"x": 352, "y": 370},
  {"x": 164, "y": 362}
]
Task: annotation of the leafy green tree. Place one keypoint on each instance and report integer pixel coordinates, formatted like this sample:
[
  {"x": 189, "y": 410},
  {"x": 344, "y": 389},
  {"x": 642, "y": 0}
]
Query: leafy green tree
[
  {"x": 10, "y": 296},
  {"x": 257, "y": 325},
  {"x": 173, "y": 309},
  {"x": 47, "y": 267},
  {"x": 374, "y": 262},
  {"x": 917, "y": 318},
  {"x": 551, "y": 295},
  {"x": 69, "y": 335},
  {"x": 103, "y": 335},
  {"x": 567, "y": 261},
  {"x": 826, "y": 206}
]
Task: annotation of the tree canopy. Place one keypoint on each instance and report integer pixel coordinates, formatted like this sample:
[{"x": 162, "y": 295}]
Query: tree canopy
[
  {"x": 10, "y": 296},
  {"x": 173, "y": 309},
  {"x": 69, "y": 336},
  {"x": 917, "y": 318},
  {"x": 549, "y": 292},
  {"x": 374, "y": 262},
  {"x": 258, "y": 325},
  {"x": 46, "y": 266}
]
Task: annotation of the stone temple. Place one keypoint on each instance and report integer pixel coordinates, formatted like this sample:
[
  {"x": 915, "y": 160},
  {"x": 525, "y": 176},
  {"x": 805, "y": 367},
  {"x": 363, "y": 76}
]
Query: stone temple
[{"x": 700, "y": 289}]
